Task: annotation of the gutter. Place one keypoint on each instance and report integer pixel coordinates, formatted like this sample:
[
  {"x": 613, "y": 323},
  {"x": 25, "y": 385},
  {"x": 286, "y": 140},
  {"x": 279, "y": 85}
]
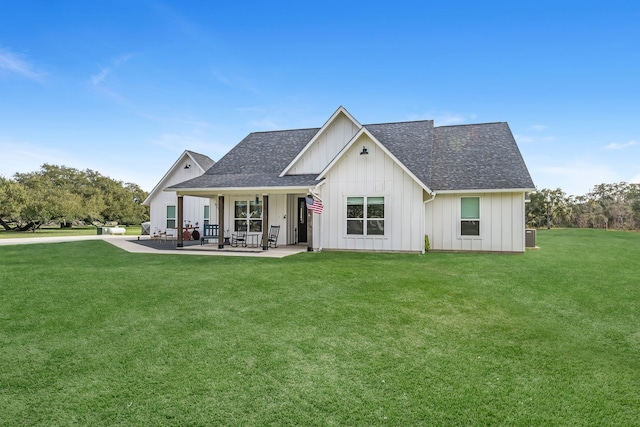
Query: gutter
[{"x": 433, "y": 197}]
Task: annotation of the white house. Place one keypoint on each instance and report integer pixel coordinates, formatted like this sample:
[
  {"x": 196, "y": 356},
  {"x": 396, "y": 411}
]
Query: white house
[
  {"x": 382, "y": 186},
  {"x": 163, "y": 205}
]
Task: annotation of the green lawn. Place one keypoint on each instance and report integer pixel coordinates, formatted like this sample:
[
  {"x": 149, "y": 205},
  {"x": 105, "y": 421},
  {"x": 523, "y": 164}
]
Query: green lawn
[
  {"x": 92, "y": 335},
  {"x": 131, "y": 230}
]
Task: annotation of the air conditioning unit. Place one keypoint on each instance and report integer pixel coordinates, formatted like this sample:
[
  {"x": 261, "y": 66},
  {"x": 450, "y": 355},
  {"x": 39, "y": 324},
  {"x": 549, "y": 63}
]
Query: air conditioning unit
[{"x": 530, "y": 238}]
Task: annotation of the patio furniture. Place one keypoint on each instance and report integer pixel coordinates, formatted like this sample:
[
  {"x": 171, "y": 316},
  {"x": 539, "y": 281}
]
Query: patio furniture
[
  {"x": 253, "y": 239},
  {"x": 210, "y": 232},
  {"x": 169, "y": 234},
  {"x": 146, "y": 228},
  {"x": 274, "y": 230},
  {"x": 160, "y": 236},
  {"x": 239, "y": 238}
]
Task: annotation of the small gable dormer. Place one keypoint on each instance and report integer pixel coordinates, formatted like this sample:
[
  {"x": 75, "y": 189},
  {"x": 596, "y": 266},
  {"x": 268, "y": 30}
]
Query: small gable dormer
[{"x": 325, "y": 145}]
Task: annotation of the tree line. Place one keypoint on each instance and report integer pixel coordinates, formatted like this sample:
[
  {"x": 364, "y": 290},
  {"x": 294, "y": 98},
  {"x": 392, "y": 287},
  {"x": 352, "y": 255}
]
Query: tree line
[
  {"x": 66, "y": 195},
  {"x": 607, "y": 206}
]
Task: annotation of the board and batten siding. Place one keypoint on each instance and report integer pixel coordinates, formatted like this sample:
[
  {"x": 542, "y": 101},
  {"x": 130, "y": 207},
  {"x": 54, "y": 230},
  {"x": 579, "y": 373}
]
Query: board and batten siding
[
  {"x": 372, "y": 175},
  {"x": 278, "y": 216},
  {"x": 502, "y": 223},
  {"x": 277, "y": 213},
  {"x": 327, "y": 145},
  {"x": 193, "y": 207}
]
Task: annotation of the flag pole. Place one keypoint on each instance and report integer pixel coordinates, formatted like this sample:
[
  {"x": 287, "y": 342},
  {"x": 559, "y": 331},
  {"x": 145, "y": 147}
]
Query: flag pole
[
  {"x": 315, "y": 194},
  {"x": 309, "y": 230}
]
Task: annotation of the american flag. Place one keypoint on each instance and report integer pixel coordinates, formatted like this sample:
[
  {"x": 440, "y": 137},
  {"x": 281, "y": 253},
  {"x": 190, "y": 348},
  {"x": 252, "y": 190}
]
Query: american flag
[{"x": 315, "y": 205}]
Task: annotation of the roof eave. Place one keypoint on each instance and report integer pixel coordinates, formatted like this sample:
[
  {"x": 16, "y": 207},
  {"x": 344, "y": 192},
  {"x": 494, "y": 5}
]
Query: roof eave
[
  {"x": 486, "y": 190},
  {"x": 216, "y": 190}
]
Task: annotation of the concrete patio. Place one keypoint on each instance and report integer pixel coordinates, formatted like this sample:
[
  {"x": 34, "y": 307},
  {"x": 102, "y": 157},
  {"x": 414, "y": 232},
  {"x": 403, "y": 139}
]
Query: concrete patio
[{"x": 144, "y": 244}]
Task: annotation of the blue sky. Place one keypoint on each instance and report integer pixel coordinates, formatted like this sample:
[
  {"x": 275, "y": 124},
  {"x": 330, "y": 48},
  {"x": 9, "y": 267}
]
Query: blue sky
[{"x": 123, "y": 87}]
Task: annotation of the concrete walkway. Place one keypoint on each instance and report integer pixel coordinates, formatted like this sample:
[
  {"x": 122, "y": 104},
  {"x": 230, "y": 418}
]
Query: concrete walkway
[{"x": 145, "y": 245}]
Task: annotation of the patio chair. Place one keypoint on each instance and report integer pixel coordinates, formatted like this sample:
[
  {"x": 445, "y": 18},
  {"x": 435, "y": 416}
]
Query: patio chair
[
  {"x": 164, "y": 236},
  {"x": 239, "y": 238},
  {"x": 274, "y": 230}
]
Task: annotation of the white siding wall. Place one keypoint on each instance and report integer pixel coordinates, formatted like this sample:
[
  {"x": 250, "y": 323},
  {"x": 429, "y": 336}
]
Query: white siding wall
[
  {"x": 277, "y": 213},
  {"x": 326, "y": 147},
  {"x": 502, "y": 223},
  {"x": 193, "y": 210},
  {"x": 375, "y": 174},
  {"x": 193, "y": 207}
]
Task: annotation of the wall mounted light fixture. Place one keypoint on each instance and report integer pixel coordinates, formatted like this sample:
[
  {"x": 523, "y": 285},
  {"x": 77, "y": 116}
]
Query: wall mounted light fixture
[{"x": 364, "y": 151}]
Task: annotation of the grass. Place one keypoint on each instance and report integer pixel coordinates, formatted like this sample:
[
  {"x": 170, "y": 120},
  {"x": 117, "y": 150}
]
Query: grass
[
  {"x": 131, "y": 230},
  {"x": 91, "y": 335}
]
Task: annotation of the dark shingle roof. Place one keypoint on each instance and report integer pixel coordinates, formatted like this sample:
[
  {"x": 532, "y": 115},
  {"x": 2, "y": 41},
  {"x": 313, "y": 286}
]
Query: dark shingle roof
[
  {"x": 204, "y": 161},
  {"x": 463, "y": 157},
  {"x": 410, "y": 142},
  {"x": 477, "y": 157},
  {"x": 248, "y": 180},
  {"x": 257, "y": 161}
]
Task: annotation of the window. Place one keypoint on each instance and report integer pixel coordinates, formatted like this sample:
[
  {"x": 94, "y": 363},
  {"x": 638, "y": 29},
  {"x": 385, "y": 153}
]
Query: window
[
  {"x": 206, "y": 215},
  {"x": 248, "y": 215},
  {"x": 171, "y": 217},
  {"x": 470, "y": 216},
  {"x": 365, "y": 216},
  {"x": 375, "y": 216}
]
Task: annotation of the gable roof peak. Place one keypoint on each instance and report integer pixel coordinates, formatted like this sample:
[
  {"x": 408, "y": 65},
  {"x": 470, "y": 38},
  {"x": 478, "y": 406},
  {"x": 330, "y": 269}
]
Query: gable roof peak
[
  {"x": 202, "y": 161},
  {"x": 340, "y": 111}
]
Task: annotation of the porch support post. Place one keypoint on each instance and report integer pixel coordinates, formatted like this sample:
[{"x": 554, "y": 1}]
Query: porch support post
[
  {"x": 309, "y": 230},
  {"x": 180, "y": 209},
  {"x": 220, "y": 221},
  {"x": 265, "y": 222}
]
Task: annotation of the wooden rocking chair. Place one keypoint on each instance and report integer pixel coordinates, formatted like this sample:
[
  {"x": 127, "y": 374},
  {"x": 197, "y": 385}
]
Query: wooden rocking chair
[
  {"x": 274, "y": 230},
  {"x": 239, "y": 238}
]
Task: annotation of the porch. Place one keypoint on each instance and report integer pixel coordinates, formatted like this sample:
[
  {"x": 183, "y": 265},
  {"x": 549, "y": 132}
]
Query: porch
[
  {"x": 193, "y": 247},
  {"x": 255, "y": 215}
]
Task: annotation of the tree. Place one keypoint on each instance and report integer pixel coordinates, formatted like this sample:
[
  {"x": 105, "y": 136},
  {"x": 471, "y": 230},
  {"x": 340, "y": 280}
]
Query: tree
[
  {"x": 47, "y": 200},
  {"x": 59, "y": 193},
  {"x": 633, "y": 198},
  {"x": 547, "y": 208},
  {"x": 12, "y": 201},
  {"x": 617, "y": 202},
  {"x": 586, "y": 212}
]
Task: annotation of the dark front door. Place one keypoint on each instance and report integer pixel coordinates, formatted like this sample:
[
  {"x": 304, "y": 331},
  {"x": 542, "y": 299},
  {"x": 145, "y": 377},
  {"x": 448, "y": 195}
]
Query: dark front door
[{"x": 302, "y": 220}]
